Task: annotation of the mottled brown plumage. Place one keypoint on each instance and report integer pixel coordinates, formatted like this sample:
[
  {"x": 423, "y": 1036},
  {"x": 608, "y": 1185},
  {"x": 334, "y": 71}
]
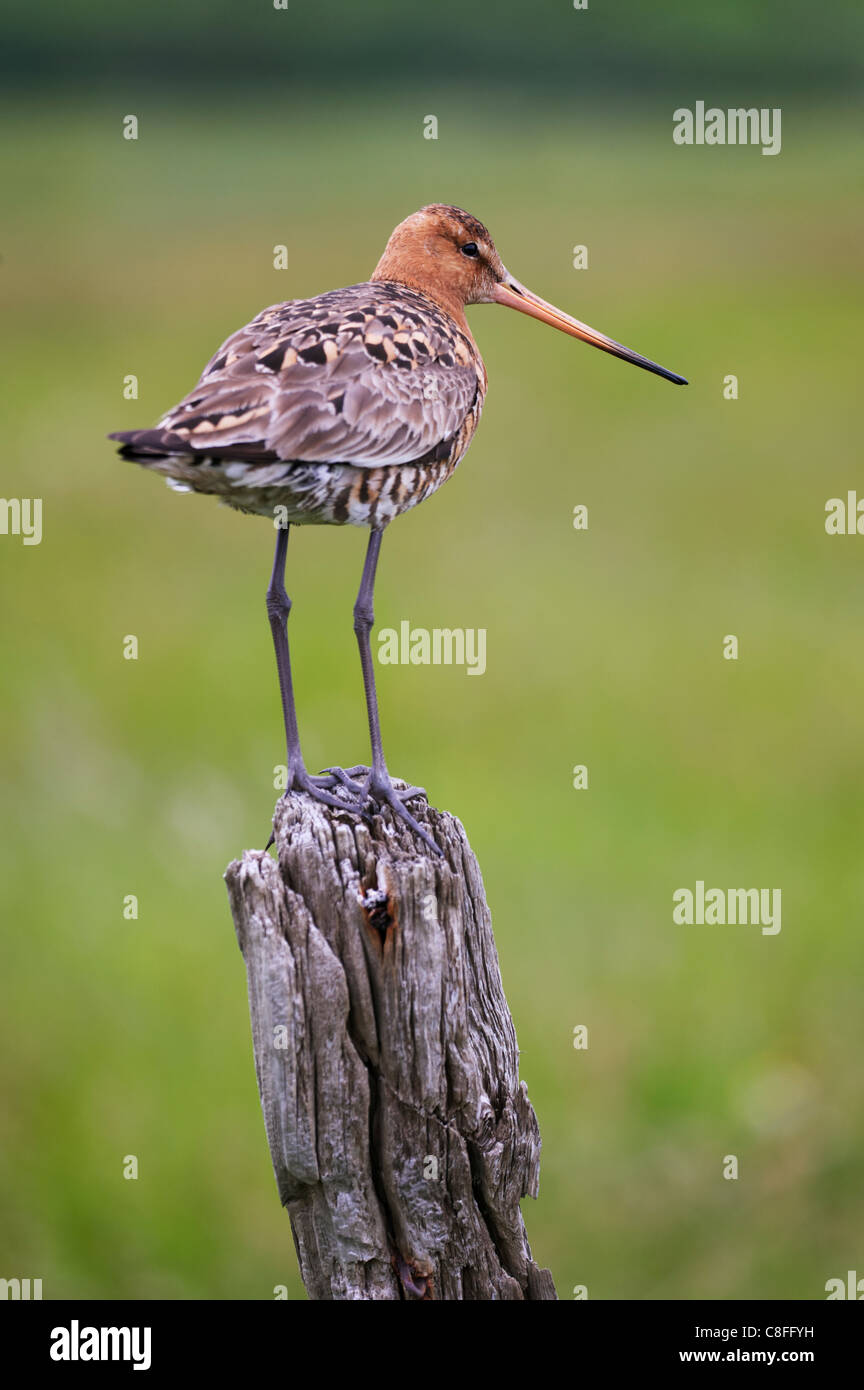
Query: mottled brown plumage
[{"x": 360, "y": 383}]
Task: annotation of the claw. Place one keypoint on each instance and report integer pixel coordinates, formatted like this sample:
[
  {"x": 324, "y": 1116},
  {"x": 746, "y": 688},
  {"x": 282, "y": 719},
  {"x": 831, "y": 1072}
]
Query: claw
[
  {"x": 337, "y": 776},
  {"x": 361, "y": 798},
  {"x": 381, "y": 792},
  {"x": 320, "y": 789},
  {"x": 411, "y": 793}
]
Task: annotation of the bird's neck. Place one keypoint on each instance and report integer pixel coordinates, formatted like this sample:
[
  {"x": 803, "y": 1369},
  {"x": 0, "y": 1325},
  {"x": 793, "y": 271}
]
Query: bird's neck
[{"x": 389, "y": 268}]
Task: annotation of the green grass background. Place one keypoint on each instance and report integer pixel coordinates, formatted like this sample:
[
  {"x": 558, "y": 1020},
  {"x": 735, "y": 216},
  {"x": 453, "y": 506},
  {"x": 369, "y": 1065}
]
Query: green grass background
[{"x": 604, "y": 648}]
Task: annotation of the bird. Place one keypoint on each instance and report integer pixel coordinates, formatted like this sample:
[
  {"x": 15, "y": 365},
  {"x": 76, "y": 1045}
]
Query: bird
[{"x": 350, "y": 408}]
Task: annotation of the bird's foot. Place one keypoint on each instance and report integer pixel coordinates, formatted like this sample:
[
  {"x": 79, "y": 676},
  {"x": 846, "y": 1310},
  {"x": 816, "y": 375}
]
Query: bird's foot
[
  {"x": 379, "y": 791},
  {"x": 330, "y": 788},
  {"x": 340, "y": 777},
  {"x": 361, "y": 791},
  {"x": 348, "y": 778}
]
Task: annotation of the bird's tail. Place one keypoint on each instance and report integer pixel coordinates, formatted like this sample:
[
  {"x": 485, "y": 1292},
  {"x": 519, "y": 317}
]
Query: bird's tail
[{"x": 146, "y": 445}]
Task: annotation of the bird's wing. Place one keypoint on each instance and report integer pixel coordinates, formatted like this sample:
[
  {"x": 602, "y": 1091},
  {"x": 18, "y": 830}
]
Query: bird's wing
[{"x": 370, "y": 375}]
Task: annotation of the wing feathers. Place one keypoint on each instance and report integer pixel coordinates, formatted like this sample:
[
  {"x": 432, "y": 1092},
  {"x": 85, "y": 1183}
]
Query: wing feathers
[{"x": 374, "y": 374}]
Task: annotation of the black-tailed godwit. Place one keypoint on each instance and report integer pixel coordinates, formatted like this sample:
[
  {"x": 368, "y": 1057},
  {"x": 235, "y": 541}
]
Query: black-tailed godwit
[{"x": 350, "y": 408}]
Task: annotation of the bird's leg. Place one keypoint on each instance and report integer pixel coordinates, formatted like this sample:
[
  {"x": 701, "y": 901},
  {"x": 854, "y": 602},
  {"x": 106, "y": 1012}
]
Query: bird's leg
[
  {"x": 378, "y": 786},
  {"x": 278, "y": 608}
]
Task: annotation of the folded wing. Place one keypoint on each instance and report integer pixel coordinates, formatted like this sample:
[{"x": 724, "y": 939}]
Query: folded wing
[{"x": 370, "y": 375}]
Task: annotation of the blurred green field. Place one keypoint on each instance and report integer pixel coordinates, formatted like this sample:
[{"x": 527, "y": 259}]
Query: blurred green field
[{"x": 604, "y": 648}]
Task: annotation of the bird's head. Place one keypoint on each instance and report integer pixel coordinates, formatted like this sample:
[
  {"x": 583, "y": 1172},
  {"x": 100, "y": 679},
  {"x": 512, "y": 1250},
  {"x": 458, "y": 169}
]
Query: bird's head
[
  {"x": 450, "y": 256},
  {"x": 445, "y": 252}
]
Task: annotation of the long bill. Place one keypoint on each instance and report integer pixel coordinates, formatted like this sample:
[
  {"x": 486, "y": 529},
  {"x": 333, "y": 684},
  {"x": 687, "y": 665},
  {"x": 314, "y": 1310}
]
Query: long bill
[{"x": 517, "y": 296}]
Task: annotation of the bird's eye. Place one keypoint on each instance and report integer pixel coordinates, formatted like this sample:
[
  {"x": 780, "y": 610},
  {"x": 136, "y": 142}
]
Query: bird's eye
[{"x": 470, "y": 249}]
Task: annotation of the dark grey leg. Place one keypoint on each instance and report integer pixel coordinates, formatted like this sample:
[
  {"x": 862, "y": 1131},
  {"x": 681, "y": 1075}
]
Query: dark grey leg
[
  {"x": 364, "y": 619},
  {"x": 278, "y": 608},
  {"x": 378, "y": 786}
]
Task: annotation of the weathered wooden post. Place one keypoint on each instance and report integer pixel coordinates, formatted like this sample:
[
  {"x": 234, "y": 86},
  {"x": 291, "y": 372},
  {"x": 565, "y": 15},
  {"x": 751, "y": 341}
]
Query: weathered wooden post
[{"x": 402, "y": 1139}]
